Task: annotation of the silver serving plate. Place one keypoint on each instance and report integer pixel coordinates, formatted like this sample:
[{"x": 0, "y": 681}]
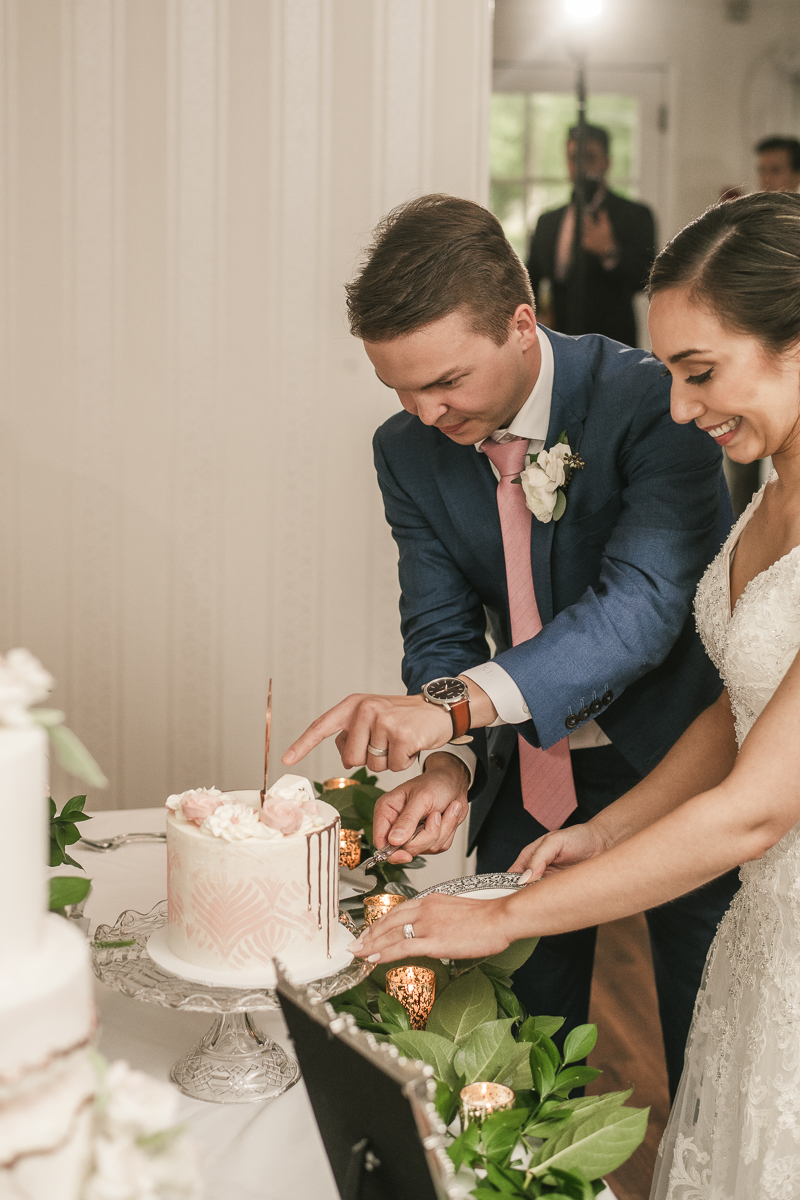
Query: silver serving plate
[{"x": 502, "y": 881}]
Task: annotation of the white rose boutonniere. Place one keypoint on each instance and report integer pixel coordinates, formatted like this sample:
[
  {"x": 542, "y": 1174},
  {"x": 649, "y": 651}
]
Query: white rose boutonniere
[{"x": 545, "y": 479}]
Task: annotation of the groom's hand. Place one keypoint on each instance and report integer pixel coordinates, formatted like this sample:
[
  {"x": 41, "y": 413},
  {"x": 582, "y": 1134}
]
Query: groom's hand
[
  {"x": 438, "y": 797},
  {"x": 399, "y": 726}
]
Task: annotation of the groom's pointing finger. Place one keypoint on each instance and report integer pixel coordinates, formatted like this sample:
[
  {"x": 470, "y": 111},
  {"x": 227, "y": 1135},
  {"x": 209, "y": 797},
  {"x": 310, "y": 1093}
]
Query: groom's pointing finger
[{"x": 330, "y": 722}]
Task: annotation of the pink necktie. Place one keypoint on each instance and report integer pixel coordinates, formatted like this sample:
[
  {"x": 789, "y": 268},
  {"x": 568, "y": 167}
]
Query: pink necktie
[{"x": 548, "y": 790}]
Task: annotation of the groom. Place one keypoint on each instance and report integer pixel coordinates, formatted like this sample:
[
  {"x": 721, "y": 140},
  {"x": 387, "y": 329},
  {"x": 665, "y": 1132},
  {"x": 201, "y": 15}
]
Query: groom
[{"x": 581, "y": 580}]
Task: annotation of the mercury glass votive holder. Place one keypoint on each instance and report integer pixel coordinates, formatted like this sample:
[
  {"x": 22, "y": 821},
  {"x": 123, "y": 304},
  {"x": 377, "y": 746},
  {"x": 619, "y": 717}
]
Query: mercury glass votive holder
[
  {"x": 415, "y": 988},
  {"x": 378, "y": 906},
  {"x": 477, "y": 1101},
  {"x": 332, "y": 785},
  {"x": 349, "y": 848}
]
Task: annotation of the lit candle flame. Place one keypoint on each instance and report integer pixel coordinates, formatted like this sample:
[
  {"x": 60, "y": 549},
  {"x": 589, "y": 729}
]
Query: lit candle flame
[{"x": 415, "y": 988}]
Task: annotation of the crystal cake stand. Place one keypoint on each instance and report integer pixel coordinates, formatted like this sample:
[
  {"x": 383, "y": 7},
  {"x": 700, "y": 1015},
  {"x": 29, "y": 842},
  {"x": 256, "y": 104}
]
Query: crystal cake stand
[{"x": 236, "y": 1062}]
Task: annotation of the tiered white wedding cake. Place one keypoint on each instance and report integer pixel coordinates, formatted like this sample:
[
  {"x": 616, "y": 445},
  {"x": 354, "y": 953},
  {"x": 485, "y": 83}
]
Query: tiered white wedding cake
[
  {"x": 246, "y": 882},
  {"x": 71, "y": 1127},
  {"x": 47, "y": 1079}
]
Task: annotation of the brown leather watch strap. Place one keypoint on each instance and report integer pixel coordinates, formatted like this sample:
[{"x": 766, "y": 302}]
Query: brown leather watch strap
[{"x": 460, "y": 715}]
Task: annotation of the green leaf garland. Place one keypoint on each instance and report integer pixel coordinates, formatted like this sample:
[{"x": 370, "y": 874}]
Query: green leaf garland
[
  {"x": 467, "y": 1003},
  {"x": 478, "y": 1031},
  {"x": 64, "y": 830},
  {"x": 439, "y": 1052},
  {"x": 595, "y": 1142},
  {"x": 579, "y": 1042},
  {"x": 67, "y": 889},
  {"x": 73, "y": 755},
  {"x": 484, "y": 1056}
]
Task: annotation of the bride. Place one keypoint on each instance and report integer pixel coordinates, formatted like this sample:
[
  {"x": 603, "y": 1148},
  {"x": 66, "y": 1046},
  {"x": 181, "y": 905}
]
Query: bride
[{"x": 725, "y": 321}]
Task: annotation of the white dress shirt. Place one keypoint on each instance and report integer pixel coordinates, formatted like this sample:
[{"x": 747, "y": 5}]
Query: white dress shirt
[{"x": 530, "y": 422}]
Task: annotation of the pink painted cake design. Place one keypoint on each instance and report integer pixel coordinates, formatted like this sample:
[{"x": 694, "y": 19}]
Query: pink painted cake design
[{"x": 247, "y": 881}]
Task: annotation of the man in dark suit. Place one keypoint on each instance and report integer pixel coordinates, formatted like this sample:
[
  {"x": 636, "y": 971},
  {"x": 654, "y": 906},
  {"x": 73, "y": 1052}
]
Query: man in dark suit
[
  {"x": 583, "y": 573},
  {"x": 778, "y": 164},
  {"x": 618, "y": 250}
]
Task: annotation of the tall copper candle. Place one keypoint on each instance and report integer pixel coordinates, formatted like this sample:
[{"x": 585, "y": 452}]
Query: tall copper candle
[
  {"x": 378, "y": 906},
  {"x": 415, "y": 988},
  {"x": 349, "y": 848}
]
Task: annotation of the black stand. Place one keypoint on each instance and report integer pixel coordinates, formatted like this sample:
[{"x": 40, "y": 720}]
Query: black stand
[
  {"x": 374, "y": 1110},
  {"x": 362, "y": 1160}
]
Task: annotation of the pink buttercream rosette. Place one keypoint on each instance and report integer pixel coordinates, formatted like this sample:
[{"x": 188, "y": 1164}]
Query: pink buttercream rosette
[
  {"x": 287, "y": 802},
  {"x": 196, "y": 804},
  {"x": 283, "y": 815}
]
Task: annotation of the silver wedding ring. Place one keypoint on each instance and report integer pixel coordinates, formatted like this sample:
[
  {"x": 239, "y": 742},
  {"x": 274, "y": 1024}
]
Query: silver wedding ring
[
  {"x": 408, "y": 931},
  {"x": 375, "y": 752}
]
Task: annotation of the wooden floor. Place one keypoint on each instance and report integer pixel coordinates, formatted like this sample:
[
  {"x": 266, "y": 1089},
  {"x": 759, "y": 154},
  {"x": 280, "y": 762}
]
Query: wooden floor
[{"x": 629, "y": 1050}]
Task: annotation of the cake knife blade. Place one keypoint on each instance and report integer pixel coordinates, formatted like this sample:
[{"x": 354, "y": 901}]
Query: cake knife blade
[{"x": 266, "y": 740}]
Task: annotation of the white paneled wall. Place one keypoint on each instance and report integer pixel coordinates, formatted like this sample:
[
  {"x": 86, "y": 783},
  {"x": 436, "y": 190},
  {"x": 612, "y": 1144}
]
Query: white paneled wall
[{"x": 187, "y": 499}]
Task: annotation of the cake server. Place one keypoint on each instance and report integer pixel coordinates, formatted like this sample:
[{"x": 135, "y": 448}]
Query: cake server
[{"x": 358, "y": 875}]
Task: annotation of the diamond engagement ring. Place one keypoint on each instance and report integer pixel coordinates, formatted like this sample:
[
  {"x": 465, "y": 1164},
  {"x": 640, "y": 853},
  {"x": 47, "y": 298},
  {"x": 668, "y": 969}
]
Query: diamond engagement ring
[
  {"x": 408, "y": 931},
  {"x": 375, "y": 752}
]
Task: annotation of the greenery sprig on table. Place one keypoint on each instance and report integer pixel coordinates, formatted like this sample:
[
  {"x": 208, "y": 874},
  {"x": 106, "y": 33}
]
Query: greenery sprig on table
[
  {"x": 548, "y": 1144},
  {"x": 356, "y": 806},
  {"x": 66, "y": 889}
]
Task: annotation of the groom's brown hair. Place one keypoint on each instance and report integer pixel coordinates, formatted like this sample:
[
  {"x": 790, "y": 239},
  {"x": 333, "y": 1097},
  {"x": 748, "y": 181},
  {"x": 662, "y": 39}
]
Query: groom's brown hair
[{"x": 431, "y": 257}]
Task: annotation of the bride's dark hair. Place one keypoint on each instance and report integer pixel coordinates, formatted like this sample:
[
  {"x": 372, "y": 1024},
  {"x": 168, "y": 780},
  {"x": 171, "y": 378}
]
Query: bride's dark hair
[{"x": 742, "y": 259}]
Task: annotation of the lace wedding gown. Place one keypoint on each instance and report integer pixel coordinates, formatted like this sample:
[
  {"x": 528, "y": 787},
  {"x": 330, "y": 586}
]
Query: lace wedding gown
[{"x": 734, "y": 1131}]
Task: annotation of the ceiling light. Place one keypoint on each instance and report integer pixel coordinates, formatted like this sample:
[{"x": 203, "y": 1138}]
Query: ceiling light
[{"x": 583, "y": 12}]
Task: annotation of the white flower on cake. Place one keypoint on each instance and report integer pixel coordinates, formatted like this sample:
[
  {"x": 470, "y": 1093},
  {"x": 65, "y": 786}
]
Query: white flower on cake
[
  {"x": 23, "y": 682},
  {"x": 291, "y": 807},
  {"x": 196, "y": 804},
  {"x": 139, "y": 1153},
  {"x": 291, "y": 787},
  {"x": 235, "y": 823}
]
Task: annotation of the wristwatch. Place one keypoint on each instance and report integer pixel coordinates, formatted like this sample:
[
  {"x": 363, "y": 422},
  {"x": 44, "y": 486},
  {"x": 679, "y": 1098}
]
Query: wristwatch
[{"x": 452, "y": 694}]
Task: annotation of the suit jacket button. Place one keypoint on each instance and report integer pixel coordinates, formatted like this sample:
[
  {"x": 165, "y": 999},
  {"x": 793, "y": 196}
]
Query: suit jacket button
[
  {"x": 595, "y": 707},
  {"x": 572, "y": 722},
  {"x": 496, "y": 761},
  {"x": 608, "y": 697},
  {"x": 583, "y": 715}
]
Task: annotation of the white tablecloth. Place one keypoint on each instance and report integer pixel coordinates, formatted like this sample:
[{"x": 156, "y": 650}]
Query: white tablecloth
[{"x": 267, "y": 1151}]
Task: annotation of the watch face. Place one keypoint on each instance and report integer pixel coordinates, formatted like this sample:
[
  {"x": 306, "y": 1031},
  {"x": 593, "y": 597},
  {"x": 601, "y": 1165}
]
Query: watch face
[{"x": 446, "y": 691}]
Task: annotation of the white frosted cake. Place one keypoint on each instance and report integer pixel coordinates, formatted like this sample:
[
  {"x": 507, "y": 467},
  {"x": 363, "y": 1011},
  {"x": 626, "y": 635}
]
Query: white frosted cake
[
  {"x": 47, "y": 1081},
  {"x": 246, "y": 882}
]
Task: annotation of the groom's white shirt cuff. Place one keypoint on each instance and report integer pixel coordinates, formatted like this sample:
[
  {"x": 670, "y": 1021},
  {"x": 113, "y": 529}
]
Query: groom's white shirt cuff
[
  {"x": 512, "y": 709},
  {"x": 503, "y": 693}
]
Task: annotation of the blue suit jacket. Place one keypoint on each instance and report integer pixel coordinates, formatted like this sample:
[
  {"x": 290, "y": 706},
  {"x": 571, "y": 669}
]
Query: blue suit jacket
[{"x": 614, "y": 577}]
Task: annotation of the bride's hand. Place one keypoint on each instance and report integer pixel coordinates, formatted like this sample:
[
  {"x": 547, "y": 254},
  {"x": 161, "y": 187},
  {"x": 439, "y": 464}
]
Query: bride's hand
[
  {"x": 559, "y": 849},
  {"x": 444, "y": 927}
]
